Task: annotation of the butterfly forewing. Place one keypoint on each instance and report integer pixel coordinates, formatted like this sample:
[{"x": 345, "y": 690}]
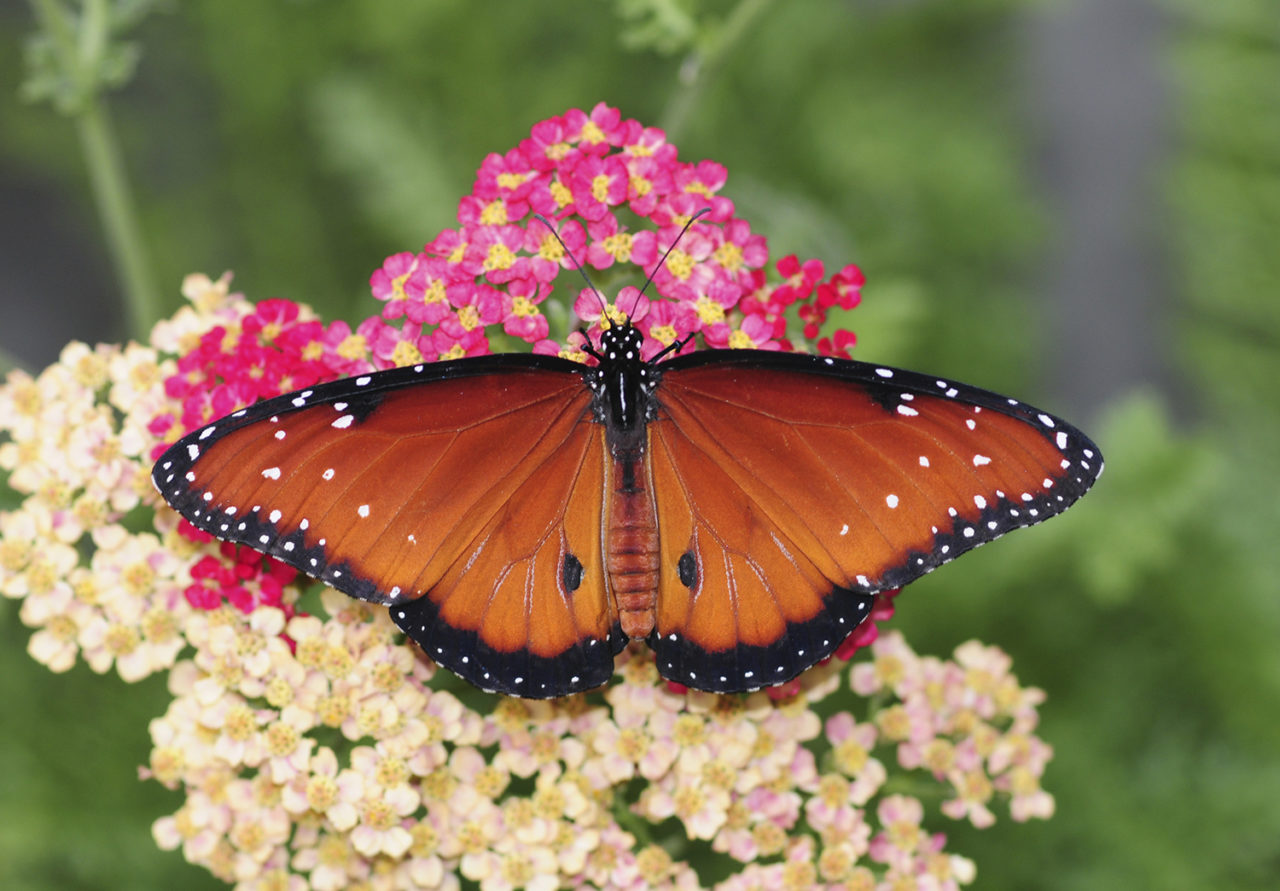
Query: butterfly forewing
[
  {"x": 800, "y": 485},
  {"x": 454, "y": 492}
]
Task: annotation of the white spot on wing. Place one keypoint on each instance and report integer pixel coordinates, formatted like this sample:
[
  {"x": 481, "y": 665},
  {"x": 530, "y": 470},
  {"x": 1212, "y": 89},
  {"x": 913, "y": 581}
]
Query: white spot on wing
[
  {"x": 891, "y": 500},
  {"x": 193, "y": 451},
  {"x": 884, "y": 372},
  {"x": 343, "y": 422},
  {"x": 271, "y": 473},
  {"x": 328, "y": 474},
  {"x": 924, "y": 462},
  {"x": 363, "y": 510},
  {"x": 906, "y": 411}
]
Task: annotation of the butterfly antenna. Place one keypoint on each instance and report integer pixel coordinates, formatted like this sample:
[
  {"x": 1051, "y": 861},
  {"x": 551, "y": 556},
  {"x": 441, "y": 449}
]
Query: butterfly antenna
[
  {"x": 604, "y": 304},
  {"x": 648, "y": 281}
]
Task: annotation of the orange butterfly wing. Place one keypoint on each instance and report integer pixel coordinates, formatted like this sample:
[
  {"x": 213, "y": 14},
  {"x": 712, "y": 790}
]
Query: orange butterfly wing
[
  {"x": 792, "y": 488},
  {"x": 466, "y": 496}
]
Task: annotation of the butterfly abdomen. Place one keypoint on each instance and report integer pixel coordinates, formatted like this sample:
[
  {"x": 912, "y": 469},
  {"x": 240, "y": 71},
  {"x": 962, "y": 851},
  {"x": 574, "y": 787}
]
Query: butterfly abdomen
[{"x": 631, "y": 544}]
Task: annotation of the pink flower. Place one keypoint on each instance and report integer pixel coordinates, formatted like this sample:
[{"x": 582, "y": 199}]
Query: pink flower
[
  {"x": 387, "y": 283},
  {"x": 598, "y": 184}
]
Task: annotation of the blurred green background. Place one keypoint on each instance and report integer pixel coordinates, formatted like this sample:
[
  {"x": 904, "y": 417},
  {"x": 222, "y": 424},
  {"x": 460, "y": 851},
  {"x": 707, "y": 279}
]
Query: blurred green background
[{"x": 1074, "y": 202}]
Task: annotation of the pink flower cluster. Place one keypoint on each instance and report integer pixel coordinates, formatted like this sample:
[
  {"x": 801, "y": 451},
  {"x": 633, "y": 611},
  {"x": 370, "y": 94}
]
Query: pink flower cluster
[
  {"x": 619, "y": 198},
  {"x": 276, "y": 347}
]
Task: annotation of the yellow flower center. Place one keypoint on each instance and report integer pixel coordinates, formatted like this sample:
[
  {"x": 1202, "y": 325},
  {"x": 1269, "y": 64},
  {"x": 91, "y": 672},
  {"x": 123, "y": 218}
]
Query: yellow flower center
[
  {"x": 494, "y": 213},
  {"x": 851, "y": 757},
  {"x": 499, "y": 257},
  {"x": 392, "y": 771},
  {"x": 708, "y": 310},
  {"x": 680, "y": 264},
  {"x": 739, "y": 340},
  {"x": 550, "y": 249},
  {"x": 406, "y": 353},
  {"x": 600, "y": 187},
  {"x": 121, "y": 640},
  {"x": 425, "y": 840},
  {"x": 511, "y": 181},
  {"x": 239, "y": 723},
  {"x": 353, "y": 346},
  {"x": 664, "y": 334},
  {"x": 282, "y": 739},
  {"x": 159, "y": 625},
  {"x": 434, "y": 292},
  {"x": 561, "y": 193},
  {"x": 619, "y": 246},
  {"x": 469, "y": 318},
  {"x": 894, "y": 723},
  {"x": 138, "y": 578},
  {"x": 279, "y": 692},
  {"x": 689, "y": 730},
  {"x": 904, "y": 835},
  {"x": 729, "y": 255},
  {"x": 337, "y": 661},
  {"x": 379, "y": 815}
]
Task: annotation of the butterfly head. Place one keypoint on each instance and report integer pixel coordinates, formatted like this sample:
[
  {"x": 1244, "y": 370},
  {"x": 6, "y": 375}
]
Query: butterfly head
[{"x": 620, "y": 345}]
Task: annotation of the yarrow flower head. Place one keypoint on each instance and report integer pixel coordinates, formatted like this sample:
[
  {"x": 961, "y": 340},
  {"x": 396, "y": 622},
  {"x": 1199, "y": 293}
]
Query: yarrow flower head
[{"x": 316, "y": 749}]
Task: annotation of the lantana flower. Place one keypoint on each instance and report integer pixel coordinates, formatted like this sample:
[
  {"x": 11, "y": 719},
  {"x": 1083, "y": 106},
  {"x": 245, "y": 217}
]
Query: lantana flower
[{"x": 315, "y": 748}]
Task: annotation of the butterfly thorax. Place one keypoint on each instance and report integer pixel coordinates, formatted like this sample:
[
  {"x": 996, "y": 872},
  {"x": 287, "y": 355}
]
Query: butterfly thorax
[
  {"x": 623, "y": 384},
  {"x": 623, "y": 387}
]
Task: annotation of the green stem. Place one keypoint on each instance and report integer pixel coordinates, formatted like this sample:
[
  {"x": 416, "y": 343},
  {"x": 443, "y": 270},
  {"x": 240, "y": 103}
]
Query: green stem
[
  {"x": 701, "y": 65},
  {"x": 119, "y": 218},
  {"x": 80, "y": 50}
]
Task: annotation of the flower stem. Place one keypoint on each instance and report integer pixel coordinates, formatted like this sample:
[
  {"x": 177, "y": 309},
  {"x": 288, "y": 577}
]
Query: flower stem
[
  {"x": 701, "y": 65},
  {"x": 119, "y": 218},
  {"x": 79, "y": 46}
]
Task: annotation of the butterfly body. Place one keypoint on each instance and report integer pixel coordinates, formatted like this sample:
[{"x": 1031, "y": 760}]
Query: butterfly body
[{"x": 525, "y": 516}]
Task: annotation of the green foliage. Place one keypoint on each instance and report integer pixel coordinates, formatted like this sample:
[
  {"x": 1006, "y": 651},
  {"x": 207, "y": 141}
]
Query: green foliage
[{"x": 79, "y": 53}]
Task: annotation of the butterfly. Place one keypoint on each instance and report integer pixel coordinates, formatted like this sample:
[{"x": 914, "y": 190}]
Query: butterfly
[{"x": 525, "y": 516}]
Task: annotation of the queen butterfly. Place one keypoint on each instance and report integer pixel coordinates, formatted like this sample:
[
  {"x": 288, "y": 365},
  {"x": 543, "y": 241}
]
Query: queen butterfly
[{"x": 524, "y": 516}]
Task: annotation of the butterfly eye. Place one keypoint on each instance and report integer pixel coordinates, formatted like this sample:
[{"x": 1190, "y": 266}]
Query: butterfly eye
[
  {"x": 687, "y": 566},
  {"x": 572, "y": 573}
]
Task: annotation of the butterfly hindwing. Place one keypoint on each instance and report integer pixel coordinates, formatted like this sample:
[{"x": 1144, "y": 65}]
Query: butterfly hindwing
[
  {"x": 794, "y": 487},
  {"x": 465, "y": 495}
]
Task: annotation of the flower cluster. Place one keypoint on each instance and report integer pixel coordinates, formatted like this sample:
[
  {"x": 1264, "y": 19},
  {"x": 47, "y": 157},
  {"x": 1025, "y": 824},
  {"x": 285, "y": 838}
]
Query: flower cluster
[
  {"x": 315, "y": 749},
  {"x": 616, "y": 198}
]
